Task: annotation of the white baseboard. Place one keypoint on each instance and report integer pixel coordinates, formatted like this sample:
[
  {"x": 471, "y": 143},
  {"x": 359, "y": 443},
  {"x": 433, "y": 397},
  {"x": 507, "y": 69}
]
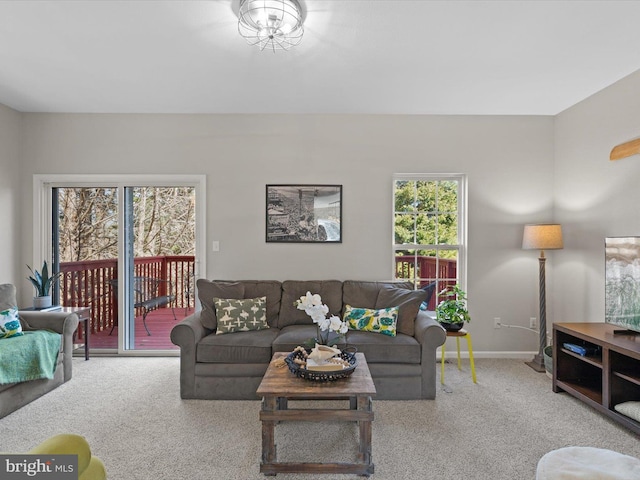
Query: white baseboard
[{"x": 464, "y": 354}]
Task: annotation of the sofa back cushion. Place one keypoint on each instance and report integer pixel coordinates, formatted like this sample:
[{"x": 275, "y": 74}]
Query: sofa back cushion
[
  {"x": 208, "y": 290},
  {"x": 361, "y": 294},
  {"x": 407, "y": 300},
  {"x": 272, "y": 289},
  {"x": 7, "y": 296},
  {"x": 292, "y": 290}
]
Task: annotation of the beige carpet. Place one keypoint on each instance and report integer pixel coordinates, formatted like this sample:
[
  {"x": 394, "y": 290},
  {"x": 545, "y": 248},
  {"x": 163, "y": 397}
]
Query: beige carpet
[{"x": 131, "y": 412}]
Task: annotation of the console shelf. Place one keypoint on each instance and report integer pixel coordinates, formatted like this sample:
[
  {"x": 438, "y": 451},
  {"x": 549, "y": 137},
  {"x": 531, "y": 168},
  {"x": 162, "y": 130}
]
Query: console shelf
[{"x": 604, "y": 379}]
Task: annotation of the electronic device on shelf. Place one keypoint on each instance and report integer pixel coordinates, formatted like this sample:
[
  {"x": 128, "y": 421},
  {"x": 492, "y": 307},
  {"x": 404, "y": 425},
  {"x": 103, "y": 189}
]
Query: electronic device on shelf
[{"x": 581, "y": 349}]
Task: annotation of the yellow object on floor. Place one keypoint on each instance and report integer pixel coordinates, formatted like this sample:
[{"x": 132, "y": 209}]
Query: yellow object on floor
[
  {"x": 89, "y": 467},
  {"x": 459, "y": 334}
]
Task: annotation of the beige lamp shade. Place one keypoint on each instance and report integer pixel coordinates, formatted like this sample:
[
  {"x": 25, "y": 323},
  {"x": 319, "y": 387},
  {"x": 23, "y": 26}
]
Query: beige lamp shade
[{"x": 542, "y": 237}]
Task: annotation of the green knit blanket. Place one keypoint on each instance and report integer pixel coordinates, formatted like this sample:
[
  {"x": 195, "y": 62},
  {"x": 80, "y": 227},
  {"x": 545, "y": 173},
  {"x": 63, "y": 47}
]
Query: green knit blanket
[{"x": 29, "y": 357}]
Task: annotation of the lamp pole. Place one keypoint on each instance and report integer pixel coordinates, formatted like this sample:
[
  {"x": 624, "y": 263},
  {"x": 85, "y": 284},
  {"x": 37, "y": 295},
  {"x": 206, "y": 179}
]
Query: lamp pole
[
  {"x": 542, "y": 237},
  {"x": 538, "y": 361}
]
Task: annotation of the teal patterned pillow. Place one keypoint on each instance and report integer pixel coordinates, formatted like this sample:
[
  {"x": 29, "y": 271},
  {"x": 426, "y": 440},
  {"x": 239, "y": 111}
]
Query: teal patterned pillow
[
  {"x": 240, "y": 315},
  {"x": 369, "y": 320},
  {"x": 10, "y": 323}
]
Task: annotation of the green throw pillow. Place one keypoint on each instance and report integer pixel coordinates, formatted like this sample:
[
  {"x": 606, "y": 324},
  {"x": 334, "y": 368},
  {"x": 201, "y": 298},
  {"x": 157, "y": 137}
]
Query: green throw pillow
[
  {"x": 369, "y": 320},
  {"x": 240, "y": 315},
  {"x": 10, "y": 323}
]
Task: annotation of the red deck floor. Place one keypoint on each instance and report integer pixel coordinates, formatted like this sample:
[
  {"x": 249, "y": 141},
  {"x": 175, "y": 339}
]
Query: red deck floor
[{"x": 160, "y": 322}]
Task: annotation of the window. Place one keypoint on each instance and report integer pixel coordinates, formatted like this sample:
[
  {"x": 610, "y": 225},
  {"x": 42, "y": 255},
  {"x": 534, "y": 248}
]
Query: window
[{"x": 429, "y": 230}]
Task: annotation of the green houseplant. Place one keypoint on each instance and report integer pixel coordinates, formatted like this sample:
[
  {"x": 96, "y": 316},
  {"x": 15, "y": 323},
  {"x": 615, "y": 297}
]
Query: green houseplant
[
  {"x": 42, "y": 282},
  {"x": 452, "y": 310}
]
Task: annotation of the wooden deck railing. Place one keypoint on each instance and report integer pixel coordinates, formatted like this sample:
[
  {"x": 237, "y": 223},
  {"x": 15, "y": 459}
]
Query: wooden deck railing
[
  {"x": 89, "y": 283},
  {"x": 445, "y": 270}
]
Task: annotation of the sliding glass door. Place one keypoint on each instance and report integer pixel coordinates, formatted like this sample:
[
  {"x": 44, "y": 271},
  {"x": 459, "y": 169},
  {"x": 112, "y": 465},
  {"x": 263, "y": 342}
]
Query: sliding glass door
[{"x": 130, "y": 253}]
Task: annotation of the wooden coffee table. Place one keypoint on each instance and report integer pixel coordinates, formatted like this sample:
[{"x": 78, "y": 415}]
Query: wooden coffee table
[{"x": 279, "y": 385}]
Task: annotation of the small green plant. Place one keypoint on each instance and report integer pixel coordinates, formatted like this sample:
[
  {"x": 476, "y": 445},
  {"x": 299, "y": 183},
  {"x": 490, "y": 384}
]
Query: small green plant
[
  {"x": 453, "y": 309},
  {"x": 41, "y": 281}
]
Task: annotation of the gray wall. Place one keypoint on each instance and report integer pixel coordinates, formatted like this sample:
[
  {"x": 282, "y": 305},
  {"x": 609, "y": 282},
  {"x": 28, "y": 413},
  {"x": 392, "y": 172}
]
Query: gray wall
[
  {"x": 521, "y": 170},
  {"x": 594, "y": 196},
  {"x": 509, "y": 162},
  {"x": 10, "y": 196}
]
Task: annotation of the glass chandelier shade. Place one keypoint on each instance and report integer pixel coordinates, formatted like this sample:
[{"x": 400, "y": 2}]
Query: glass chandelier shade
[{"x": 271, "y": 24}]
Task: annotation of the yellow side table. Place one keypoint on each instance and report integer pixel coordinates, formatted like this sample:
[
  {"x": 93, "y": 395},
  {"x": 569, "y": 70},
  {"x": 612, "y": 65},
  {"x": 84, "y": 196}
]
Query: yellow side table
[{"x": 460, "y": 333}]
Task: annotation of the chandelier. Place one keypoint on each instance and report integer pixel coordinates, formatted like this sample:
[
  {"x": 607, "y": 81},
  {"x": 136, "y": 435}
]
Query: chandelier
[{"x": 271, "y": 24}]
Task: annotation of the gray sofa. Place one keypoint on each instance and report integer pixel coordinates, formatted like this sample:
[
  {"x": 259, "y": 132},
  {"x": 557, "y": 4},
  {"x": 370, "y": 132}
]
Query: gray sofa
[
  {"x": 16, "y": 395},
  {"x": 231, "y": 366}
]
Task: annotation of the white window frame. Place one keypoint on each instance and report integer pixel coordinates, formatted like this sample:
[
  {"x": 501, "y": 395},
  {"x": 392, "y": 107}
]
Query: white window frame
[
  {"x": 462, "y": 220},
  {"x": 42, "y": 222}
]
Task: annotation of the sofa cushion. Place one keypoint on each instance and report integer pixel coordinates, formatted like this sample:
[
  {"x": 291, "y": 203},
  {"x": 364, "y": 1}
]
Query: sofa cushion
[
  {"x": 370, "y": 320},
  {"x": 208, "y": 290},
  {"x": 240, "y": 347},
  {"x": 240, "y": 315},
  {"x": 384, "y": 349},
  {"x": 292, "y": 336},
  {"x": 365, "y": 294},
  {"x": 409, "y": 302},
  {"x": 329, "y": 290}
]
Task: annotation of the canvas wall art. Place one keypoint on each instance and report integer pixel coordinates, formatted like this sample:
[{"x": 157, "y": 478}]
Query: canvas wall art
[{"x": 304, "y": 213}]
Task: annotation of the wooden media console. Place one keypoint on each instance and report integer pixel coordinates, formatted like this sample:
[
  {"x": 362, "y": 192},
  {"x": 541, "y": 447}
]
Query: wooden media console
[{"x": 606, "y": 376}]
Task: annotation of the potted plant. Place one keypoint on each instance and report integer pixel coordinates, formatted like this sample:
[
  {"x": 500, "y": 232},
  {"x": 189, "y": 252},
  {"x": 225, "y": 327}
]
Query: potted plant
[
  {"x": 452, "y": 311},
  {"x": 42, "y": 282}
]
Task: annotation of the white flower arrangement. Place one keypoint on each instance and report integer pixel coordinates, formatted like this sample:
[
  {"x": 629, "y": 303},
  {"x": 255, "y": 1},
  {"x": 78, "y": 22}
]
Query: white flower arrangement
[{"x": 313, "y": 306}]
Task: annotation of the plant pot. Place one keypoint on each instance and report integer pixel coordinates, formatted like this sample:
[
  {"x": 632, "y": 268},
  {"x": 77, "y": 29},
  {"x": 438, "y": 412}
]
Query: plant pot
[
  {"x": 452, "y": 327},
  {"x": 42, "y": 302}
]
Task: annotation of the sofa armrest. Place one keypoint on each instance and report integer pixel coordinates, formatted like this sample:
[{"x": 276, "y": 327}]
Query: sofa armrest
[
  {"x": 429, "y": 331},
  {"x": 59, "y": 322},
  {"x": 431, "y": 335},
  {"x": 189, "y": 331},
  {"x": 186, "y": 335}
]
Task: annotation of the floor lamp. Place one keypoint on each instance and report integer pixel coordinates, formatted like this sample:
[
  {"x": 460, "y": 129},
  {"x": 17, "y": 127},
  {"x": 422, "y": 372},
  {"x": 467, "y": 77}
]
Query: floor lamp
[{"x": 542, "y": 237}]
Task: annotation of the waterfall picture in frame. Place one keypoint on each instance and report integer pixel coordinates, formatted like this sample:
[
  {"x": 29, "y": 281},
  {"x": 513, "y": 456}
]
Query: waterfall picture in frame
[
  {"x": 622, "y": 282},
  {"x": 304, "y": 214}
]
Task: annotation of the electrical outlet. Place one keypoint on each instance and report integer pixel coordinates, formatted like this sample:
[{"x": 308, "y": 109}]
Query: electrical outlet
[
  {"x": 497, "y": 323},
  {"x": 533, "y": 323}
]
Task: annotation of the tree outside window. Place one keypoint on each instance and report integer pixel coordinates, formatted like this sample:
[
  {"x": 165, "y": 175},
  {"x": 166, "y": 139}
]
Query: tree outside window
[{"x": 428, "y": 221}]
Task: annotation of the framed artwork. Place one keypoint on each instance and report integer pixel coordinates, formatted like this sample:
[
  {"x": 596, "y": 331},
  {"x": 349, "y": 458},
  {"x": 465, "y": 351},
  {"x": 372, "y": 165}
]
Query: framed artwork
[{"x": 304, "y": 214}]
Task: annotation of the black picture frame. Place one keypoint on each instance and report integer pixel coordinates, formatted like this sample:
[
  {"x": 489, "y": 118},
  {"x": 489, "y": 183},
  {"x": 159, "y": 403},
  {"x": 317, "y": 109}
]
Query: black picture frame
[{"x": 303, "y": 214}]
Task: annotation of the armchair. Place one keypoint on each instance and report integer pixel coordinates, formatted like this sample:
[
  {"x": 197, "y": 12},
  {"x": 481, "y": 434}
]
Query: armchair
[{"x": 16, "y": 395}]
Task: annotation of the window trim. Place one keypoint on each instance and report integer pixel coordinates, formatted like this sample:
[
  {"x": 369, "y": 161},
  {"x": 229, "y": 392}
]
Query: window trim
[{"x": 463, "y": 215}]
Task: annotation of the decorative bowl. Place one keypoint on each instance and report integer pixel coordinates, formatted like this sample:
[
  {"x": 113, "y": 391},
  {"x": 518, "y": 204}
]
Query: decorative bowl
[{"x": 320, "y": 376}]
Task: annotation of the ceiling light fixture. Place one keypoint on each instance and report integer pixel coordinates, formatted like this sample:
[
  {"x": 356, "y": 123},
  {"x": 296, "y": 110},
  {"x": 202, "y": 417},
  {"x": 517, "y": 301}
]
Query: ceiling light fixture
[{"x": 271, "y": 24}]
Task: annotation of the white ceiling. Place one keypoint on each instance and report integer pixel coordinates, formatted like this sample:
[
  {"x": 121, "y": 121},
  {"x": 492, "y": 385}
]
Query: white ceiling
[{"x": 357, "y": 56}]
